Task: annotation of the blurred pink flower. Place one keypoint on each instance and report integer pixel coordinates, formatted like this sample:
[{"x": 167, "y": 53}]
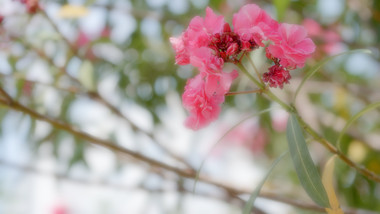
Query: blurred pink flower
[
  {"x": 253, "y": 25},
  {"x": 329, "y": 39},
  {"x": 332, "y": 42},
  {"x": 59, "y": 209},
  {"x": 82, "y": 39},
  {"x": 312, "y": 27},
  {"x": 248, "y": 135},
  {"x": 279, "y": 119},
  {"x": 203, "y": 96},
  {"x": 293, "y": 47}
]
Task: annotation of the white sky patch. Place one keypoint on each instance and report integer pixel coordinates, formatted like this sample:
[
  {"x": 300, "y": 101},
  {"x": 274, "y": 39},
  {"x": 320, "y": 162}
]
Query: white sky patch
[
  {"x": 94, "y": 22},
  {"x": 123, "y": 25},
  {"x": 178, "y": 6},
  {"x": 362, "y": 65},
  {"x": 330, "y": 10}
]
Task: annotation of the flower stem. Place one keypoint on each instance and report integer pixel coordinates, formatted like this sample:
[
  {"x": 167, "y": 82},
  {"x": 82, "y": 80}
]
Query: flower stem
[
  {"x": 244, "y": 92},
  {"x": 249, "y": 75},
  {"x": 361, "y": 169},
  {"x": 265, "y": 90},
  {"x": 255, "y": 68}
]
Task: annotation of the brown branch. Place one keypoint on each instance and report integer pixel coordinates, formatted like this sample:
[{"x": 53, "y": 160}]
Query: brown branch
[
  {"x": 14, "y": 105},
  {"x": 95, "y": 95},
  {"x": 30, "y": 169}
]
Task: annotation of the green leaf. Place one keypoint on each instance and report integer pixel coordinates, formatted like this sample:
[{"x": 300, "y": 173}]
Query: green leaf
[
  {"x": 255, "y": 193},
  {"x": 314, "y": 69},
  {"x": 86, "y": 75},
  {"x": 281, "y": 7},
  {"x": 355, "y": 117},
  {"x": 305, "y": 168}
]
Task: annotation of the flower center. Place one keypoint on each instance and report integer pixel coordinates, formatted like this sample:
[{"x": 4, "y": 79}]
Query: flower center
[{"x": 226, "y": 44}]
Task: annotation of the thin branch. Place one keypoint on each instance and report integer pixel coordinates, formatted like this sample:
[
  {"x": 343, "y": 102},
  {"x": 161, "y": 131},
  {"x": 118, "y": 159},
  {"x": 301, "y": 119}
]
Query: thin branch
[
  {"x": 14, "y": 105},
  {"x": 361, "y": 169},
  {"x": 30, "y": 169},
  {"x": 95, "y": 95},
  {"x": 255, "y": 68},
  {"x": 5, "y": 95},
  {"x": 244, "y": 92},
  {"x": 72, "y": 89}
]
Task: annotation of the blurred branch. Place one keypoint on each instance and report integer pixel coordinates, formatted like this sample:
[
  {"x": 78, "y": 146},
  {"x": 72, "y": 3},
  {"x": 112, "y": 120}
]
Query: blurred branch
[
  {"x": 14, "y": 105},
  {"x": 96, "y": 96},
  {"x": 291, "y": 109},
  {"x": 72, "y": 89},
  {"x": 103, "y": 183}
]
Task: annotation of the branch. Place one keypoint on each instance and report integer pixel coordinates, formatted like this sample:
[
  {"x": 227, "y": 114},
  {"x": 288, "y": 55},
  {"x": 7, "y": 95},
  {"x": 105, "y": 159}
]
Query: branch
[
  {"x": 30, "y": 169},
  {"x": 186, "y": 173},
  {"x": 96, "y": 96}
]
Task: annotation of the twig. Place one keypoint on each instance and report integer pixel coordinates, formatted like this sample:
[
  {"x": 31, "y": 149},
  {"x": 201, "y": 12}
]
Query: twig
[
  {"x": 14, "y": 105},
  {"x": 95, "y": 95},
  {"x": 30, "y": 169},
  {"x": 361, "y": 169},
  {"x": 244, "y": 92}
]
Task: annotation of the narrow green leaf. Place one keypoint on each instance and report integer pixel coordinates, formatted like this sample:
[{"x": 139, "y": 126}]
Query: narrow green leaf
[
  {"x": 314, "y": 69},
  {"x": 305, "y": 168},
  {"x": 221, "y": 138},
  {"x": 281, "y": 7},
  {"x": 355, "y": 117},
  {"x": 255, "y": 193},
  {"x": 86, "y": 75}
]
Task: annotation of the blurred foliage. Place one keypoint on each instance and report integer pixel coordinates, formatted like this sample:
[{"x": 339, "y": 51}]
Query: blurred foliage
[{"x": 146, "y": 72}]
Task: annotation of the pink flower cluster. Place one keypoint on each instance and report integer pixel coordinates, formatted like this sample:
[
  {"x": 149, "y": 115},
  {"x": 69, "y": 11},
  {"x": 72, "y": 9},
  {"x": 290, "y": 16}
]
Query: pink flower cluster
[{"x": 209, "y": 42}]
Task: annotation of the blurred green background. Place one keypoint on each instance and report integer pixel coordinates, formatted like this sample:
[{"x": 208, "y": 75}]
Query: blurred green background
[{"x": 111, "y": 73}]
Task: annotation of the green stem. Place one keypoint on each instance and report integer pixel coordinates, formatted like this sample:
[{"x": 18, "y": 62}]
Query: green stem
[
  {"x": 287, "y": 107},
  {"x": 244, "y": 92},
  {"x": 256, "y": 70},
  {"x": 249, "y": 75},
  {"x": 361, "y": 169},
  {"x": 265, "y": 90}
]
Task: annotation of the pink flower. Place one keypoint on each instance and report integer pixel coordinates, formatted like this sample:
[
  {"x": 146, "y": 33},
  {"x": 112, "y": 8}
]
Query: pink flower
[
  {"x": 226, "y": 45},
  {"x": 203, "y": 96},
  {"x": 197, "y": 35},
  {"x": 253, "y": 25},
  {"x": 209, "y": 42},
  {"x": 293, "y": 47},
  {"x": 277, "y": 76},
  {"x": 203, "y": 108},
  {"x": 313, "y": 28},
  {"x": 204, "y": 59},
  {"x": 181, "y": 53}
]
